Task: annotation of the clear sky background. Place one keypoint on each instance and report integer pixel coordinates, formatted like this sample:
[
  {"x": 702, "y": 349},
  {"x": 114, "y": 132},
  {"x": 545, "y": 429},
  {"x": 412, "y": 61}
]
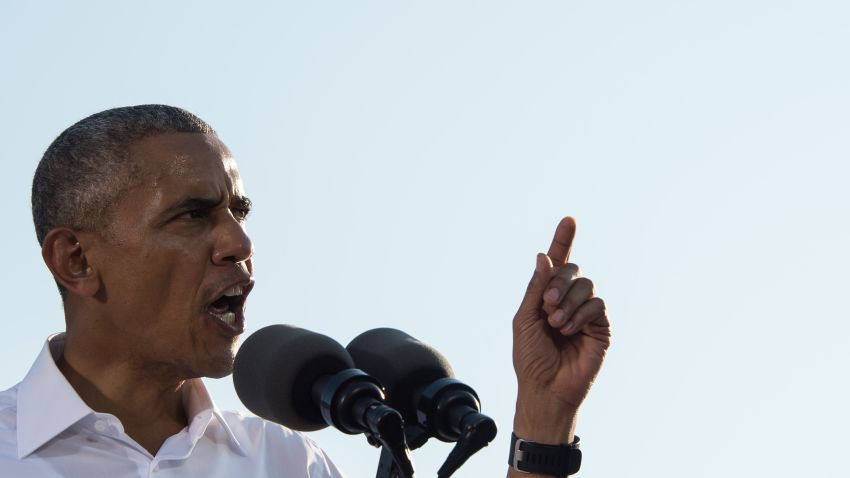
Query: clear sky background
[{"x": 408, "y": 160}]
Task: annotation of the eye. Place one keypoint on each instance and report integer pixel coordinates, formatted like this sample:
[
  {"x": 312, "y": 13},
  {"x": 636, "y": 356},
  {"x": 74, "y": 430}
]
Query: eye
[{"x": 194, "y": 214}]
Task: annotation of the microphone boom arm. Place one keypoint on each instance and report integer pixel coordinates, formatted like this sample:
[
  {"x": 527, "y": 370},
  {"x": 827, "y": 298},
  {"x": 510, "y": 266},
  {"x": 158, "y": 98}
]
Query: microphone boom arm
[{"x": 353, "y": 402}]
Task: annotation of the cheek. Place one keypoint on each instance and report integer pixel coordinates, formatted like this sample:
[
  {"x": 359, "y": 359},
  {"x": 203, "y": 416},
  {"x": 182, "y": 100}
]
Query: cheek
[
  {"x": 165, "y": 283},
  {"x": 179, "y": 284},
  {"x": 158, "y": 276}
]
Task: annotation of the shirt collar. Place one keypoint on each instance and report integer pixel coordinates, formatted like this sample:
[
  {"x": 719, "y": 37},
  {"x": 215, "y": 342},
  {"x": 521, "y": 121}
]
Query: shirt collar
[
  {"x": 48, "y": 404},
  {"x": 197, "y": 401}
]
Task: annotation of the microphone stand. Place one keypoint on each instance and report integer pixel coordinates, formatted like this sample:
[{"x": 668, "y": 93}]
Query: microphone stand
[
  {"x": 386, "y": 432},
  {"x": 354, "y": 403},
  {"x": 449, "y": 410},
  {"x": 478, "y": 431},
  {"x": 387, "y": 468}
]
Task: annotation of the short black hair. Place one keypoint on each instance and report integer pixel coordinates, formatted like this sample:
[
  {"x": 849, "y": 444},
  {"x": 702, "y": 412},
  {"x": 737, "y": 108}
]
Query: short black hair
[{"x": 87, "y": 167}]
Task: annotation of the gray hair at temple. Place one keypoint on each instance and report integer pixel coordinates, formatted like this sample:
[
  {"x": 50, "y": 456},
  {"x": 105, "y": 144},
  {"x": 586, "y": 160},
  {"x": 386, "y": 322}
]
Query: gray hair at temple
[{"x": 87, "y": 167}]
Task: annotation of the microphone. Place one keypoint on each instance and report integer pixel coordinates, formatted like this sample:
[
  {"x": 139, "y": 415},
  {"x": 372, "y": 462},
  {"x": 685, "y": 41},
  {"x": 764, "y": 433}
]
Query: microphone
[
  {"x": 307, "y": 381},
  {"x": 420, "y": 384}
]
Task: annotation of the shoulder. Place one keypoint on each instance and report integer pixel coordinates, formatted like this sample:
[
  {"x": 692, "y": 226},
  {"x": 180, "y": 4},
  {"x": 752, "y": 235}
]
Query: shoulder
[
  {"x": 9, "y": 408},
  {"x": 8, "y": 422},
  {"x": 257, "y": 431},
  {"x": 268, "y": 441}
]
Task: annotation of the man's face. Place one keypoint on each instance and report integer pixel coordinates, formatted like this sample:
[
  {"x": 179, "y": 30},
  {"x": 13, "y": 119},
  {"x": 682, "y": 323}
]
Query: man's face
[{"x": 176, "y": 262}]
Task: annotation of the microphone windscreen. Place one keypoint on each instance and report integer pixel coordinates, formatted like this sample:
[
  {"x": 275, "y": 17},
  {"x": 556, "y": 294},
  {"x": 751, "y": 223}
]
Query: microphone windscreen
[
  {"x": 401, "y": 363},
  {"x": 276, "y": 368}
]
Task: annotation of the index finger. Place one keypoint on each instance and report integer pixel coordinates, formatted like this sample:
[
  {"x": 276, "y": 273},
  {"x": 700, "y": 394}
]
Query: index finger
[{"x": 559, "y": 251}]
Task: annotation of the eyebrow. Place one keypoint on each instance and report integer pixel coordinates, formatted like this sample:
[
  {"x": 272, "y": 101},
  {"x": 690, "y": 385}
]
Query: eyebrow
[
  {"x": 193, "y": 203},
  {"x": 242, "y": 202}
]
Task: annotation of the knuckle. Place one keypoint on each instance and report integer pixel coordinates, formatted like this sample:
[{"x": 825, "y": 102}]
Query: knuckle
[
  {"x": 591, "y": 309},
  {"x": 557, "y": 282},
  {"x": 584, "y": 284},
  {"x": 597, "y": 305},
  {"x": 571, "y": 270},
  {"x": 580, "y": 292}
]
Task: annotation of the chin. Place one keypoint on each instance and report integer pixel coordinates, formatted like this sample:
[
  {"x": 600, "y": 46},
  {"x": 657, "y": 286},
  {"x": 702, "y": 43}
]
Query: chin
[
  {"x": 218, "y": 367},
  {"x": 219, "y": 373}
]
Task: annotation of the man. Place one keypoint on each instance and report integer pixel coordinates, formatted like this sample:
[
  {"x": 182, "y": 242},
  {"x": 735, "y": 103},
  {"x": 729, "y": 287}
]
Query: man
[{"x": 140, "y": 213}]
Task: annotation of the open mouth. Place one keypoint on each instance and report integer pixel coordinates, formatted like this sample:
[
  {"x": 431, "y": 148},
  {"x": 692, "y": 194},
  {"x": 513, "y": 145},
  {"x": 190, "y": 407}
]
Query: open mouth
[{"x": 228, "y": 308}]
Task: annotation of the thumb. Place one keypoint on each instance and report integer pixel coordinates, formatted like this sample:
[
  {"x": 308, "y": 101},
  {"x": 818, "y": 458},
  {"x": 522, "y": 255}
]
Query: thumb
[{"x": 533, "y": 300}]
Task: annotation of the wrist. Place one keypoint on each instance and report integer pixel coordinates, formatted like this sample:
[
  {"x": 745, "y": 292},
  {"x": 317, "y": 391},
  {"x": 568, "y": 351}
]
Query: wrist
[
  {"x": 542, "y": 418},
  {"x": 539, "y": 460}
]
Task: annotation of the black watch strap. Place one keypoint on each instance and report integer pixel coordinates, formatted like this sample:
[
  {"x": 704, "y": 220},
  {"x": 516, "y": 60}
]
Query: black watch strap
[{"x": 553, "y": 460}]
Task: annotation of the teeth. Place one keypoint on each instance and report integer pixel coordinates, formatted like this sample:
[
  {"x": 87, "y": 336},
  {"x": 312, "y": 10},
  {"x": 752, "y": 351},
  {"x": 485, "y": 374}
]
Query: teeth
[
  {"x": 235, "y": 290},
  {"x": 228, "y": 317}
]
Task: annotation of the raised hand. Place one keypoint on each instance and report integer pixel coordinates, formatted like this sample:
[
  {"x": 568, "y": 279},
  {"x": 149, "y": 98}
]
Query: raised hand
[{"x": 561, "y": 334}]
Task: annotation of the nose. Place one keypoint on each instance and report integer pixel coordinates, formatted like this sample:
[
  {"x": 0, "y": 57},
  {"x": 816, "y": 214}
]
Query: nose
[{"x": 233, "y": 245}]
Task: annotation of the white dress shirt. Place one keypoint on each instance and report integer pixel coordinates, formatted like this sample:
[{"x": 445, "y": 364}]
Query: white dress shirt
[{"x": 46, "y": 430}]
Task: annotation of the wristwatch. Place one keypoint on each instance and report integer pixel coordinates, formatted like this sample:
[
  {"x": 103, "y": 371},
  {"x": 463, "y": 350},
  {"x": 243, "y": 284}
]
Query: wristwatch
[{"x": 554, "y": 460}]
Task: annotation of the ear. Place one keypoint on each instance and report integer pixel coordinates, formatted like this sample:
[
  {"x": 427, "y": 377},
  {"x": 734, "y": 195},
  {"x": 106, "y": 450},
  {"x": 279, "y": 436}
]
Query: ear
[{"x": 66, "y": 259}]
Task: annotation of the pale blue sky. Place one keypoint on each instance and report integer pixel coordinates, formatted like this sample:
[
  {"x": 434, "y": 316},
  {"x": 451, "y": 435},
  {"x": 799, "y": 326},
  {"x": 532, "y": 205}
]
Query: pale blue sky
[{"x": 408, "y": 160}]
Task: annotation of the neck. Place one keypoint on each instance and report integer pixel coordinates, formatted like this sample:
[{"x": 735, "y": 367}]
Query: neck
[{"x": 148, "y": 400}]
